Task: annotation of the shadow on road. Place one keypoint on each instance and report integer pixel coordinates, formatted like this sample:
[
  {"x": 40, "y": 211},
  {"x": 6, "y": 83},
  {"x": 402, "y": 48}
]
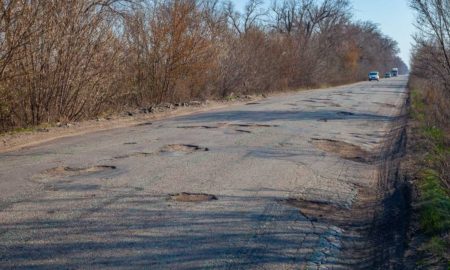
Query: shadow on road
[
  {"x": 140, "y": 230},
  {"x": 270, "y": 115}
]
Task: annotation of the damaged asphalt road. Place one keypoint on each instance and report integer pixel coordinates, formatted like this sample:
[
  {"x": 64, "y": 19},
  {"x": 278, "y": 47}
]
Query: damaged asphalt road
[{"x": 301, "y": 181}]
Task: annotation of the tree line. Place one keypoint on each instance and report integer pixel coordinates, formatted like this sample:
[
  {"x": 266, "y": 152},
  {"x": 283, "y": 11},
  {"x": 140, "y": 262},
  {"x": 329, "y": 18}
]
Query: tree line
[{"x": 76, "y": 59}]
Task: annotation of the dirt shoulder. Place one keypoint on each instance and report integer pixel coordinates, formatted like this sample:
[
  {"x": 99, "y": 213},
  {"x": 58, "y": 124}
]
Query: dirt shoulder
[{"x": 17, "y": 140}]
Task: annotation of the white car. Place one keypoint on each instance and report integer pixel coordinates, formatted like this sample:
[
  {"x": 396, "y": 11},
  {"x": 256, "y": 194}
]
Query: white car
[{"x": 374, "y": 76}]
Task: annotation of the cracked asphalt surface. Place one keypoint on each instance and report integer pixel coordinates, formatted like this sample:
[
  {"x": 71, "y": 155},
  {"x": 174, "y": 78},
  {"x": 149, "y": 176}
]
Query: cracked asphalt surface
[{"x": 103, "y": 200}]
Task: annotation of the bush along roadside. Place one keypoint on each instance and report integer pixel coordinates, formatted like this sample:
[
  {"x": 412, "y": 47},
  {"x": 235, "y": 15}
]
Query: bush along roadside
[{"x": 429, "y": 152}]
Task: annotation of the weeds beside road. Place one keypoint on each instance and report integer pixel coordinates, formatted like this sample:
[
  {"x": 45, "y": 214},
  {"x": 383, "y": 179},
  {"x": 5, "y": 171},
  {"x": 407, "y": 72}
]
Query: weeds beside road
[
  {"x": 429, "y": 154},
  {"x": 429, "y": 134}
]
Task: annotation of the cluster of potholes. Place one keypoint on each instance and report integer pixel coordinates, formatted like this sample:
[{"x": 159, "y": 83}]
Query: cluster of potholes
[
  {"x": 65, "y": 171},
  {"x": 237, "y": 127},
  {"x": 168, "y": 150},
  {"x": 184, "y": 149},
  {"x": 61, "y": 177},
  {"x": 343, "y": 149},
  {"x": 60, "y": 172}
]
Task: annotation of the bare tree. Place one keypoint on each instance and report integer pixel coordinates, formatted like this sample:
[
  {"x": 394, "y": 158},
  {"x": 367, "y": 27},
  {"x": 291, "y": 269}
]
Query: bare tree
[
  {"x": 433, "y": 22},
  {"x": 75, "y": 59},
  {"x": 243, "y": 22}
]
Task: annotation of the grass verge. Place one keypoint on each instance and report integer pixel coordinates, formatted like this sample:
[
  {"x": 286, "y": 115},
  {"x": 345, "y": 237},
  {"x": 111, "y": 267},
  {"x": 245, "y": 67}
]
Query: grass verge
[{"x": 433, "y": 203}]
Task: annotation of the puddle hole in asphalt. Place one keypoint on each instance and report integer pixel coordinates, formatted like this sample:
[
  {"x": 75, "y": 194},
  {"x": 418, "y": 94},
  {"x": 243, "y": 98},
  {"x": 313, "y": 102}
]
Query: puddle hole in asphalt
[
  {"x": 343, "y": 149},
  {"x": 192, "y": 197},
  {"x": 181, "y": 149},
  {"x": 252, "y": 103},
  {"x": 62, "y": 171},
  {"x": 137, "y": 154}
]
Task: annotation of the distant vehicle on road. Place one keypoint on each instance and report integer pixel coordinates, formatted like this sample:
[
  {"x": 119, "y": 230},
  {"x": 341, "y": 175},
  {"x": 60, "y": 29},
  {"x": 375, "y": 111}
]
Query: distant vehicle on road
[
  {"x": 374, "y": 76},
  {"x": 387, "y": 75},
  {"x": 394, "y": 72}
]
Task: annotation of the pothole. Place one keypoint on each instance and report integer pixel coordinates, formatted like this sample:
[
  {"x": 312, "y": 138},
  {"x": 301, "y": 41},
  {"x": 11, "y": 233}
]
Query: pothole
[
  {"x": 252, "y": 103},
  {"x": 345, "y": 113},
  {"x": 63, "y": 171},
  {"x": 253, "y": 125},
  {"x": 333, "y": 104},
  {"x": 205, "y": 127},
  {"x": 243, "y": 131},
  {"x": 343, "y": 149},
  {"x": 225, "y": 125},
  {"x": 314, "y": 210},
  {"x": 385, "y": 104},
  {"x": 192, "y": 197},
  {"x": 72, "y": 187},
  {"x": 137, "y": 154},
  {"x": 181, "y": 149},
  {"x": 286, "y": 144},
  {"x": 129, "y": 143},
  {"x": 145, "y": 124}
]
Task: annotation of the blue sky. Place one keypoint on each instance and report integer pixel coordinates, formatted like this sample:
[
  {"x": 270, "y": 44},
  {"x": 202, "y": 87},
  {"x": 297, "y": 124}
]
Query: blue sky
[{"x": 394, "y": 17}]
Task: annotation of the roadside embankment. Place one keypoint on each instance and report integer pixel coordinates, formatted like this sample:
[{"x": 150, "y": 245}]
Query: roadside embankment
[{"x": 427, "y": 166}]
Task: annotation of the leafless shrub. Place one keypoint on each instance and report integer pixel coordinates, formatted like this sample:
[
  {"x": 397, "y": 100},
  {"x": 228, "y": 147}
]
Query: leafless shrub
[
  {"x": 69, "y": 60},
  {"x": 431, "y": 70}
]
